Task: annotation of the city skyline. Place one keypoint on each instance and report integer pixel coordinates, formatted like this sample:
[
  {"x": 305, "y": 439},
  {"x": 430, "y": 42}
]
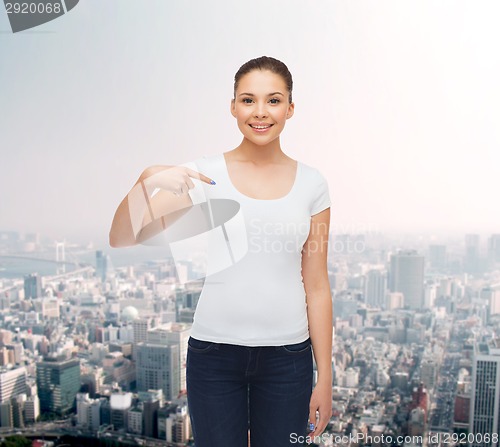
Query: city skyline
[
  {"x": 404, "y": 363},
  {"x": 396, "y": 104}
]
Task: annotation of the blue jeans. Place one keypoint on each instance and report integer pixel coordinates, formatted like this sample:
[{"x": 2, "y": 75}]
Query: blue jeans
[{"x": 232, "y": 388}]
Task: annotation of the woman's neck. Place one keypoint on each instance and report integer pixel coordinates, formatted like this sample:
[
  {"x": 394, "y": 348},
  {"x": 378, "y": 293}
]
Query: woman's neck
[{"x": 248, "y": 151}]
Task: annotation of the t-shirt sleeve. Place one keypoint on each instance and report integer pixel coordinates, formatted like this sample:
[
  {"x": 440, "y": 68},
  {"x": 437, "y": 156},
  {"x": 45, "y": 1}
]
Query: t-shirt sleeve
[
  {"x": 197, "y": 193},
  {"x": 321, "y": 199}
]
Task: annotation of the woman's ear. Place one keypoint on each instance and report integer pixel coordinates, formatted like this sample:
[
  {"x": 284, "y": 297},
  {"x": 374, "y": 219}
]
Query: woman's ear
[
  {"x": 291, "y": 108},
  {"x": 233, "y": 105}
]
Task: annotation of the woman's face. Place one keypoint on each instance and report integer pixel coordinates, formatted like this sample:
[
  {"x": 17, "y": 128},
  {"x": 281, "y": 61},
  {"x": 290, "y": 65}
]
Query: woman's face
[{"x": 261, "y": 106}]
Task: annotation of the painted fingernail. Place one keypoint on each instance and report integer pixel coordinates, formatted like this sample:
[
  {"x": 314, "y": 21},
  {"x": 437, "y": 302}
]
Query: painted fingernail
[
  {"x": 311, "y": 426},
  {"x": 212, "y": 182}
]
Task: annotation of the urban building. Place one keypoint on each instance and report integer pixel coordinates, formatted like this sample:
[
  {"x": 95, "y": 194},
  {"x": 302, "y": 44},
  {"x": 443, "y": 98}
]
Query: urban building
[
  {"x": 58, "y": 383},
  {"x": 407, "y": 276},
  {"x": 472, "y": 257},
  {"x": 437, "y": 257},
  {"x": 158, "y": 368},
  {"x": 485, "y": 398},
  {"x": 494, "y": 248},
  {"x": 31, "y": 409},
  {"x": 12, "y": 382},
  {"x": 177, "y": 334},
  {"x": 141, "y": 326},
  {"x": 120, "y": 404},
  {"x": 32, "y": 286},
  {"x": 101, "y": 265},
  {"x": 375, "y": 288}
]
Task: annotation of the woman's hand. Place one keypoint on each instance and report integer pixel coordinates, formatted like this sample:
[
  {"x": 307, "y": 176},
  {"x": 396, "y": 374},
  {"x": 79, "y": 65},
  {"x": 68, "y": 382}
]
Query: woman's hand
[
  {"x": 176, "y": 179},
  {"x": 321, "y": 401},
  {"x": 139, "y": 215}
]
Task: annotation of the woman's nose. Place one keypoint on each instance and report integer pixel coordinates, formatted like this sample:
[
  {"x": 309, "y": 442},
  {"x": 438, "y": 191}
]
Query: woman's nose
[{"x": 260, "y": 109}]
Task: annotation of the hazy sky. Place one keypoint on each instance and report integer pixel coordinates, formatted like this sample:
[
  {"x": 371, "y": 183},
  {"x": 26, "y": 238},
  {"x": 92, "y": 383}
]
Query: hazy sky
[{"x": 397, "y": 103}]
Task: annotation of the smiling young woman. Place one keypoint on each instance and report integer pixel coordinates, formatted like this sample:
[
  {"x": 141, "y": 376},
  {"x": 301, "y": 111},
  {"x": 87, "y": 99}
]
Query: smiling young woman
[
  {"x": 261, "y": 107},
  {"x": 258, "y": 323}
]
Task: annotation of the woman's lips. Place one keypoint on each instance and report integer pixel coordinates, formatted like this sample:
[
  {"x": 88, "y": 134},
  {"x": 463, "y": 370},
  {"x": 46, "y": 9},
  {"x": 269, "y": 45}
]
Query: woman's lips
[{"x": 260, "y": 127}]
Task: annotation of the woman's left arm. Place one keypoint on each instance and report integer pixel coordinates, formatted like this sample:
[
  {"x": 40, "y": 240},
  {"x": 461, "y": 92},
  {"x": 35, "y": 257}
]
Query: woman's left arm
[{"x": 319, "y": 314}]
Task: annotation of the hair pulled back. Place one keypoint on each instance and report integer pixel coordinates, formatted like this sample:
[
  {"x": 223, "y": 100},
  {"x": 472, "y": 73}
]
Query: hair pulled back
[{"x": 265, "y": 63}]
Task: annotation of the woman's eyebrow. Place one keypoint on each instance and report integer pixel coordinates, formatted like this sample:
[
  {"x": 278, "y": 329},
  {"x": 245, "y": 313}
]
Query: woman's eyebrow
[{"x": 269, "y": 94}]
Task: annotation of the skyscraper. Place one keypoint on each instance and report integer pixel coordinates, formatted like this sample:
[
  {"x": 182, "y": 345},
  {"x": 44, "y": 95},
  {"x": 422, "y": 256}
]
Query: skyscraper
[
  {"x": 174, "y": 333},
  {"x": 12, "y": 383},
  {"x": 101, "y": 265},
  {"x": 472, "y": 258},
  {"x": 494, "y": 248},
  {"x": 485, "y": 399},
  {"x": 407, "y": 276},
  {"x": 32, "y": 286},
  {"x": 58, "y": 382},
  {"x": 375, "y": 288},
  {"x": 437, "y": 257},
  {"x": 150, "y": 416},
  {"x": 141, "y": 326},
  {"x": 158, "y": 368},
  {"x": 492, "y": 297},
  {"x": 120, "y": 404}
]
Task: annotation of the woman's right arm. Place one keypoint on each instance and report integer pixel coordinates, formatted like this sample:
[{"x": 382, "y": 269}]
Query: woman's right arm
[{"x": 141, "y": 215}]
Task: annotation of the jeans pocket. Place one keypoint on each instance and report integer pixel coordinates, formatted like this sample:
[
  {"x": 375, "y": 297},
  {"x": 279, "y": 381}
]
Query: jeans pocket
[
  {"x": 200, "y": 346},
  {"x": 298, "y": 348}
]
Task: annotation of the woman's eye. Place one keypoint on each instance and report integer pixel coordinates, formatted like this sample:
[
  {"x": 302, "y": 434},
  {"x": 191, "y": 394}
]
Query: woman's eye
[
  {"x": 247, "y": 100},
  {"x": 274, "y": 101}
]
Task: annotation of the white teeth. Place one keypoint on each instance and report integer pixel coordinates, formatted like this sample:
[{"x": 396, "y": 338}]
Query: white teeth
[{"x": 260, "y": 127}]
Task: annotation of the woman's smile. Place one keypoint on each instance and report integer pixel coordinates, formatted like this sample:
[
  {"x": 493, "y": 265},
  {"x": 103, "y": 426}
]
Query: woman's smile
[{"x": 260, "y": 127}]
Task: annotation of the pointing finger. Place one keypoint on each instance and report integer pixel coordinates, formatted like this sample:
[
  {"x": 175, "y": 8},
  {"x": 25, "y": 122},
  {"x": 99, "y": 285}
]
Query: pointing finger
[{"x": 198, "y": 175}]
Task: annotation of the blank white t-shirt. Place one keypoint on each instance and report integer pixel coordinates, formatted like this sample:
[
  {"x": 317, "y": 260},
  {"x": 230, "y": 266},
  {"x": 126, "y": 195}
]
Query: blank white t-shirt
[{"x": 260, "y": 300}]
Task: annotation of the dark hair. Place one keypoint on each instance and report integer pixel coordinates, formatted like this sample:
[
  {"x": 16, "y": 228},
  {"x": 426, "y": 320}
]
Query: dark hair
[{"x": 265, "y": 63}]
